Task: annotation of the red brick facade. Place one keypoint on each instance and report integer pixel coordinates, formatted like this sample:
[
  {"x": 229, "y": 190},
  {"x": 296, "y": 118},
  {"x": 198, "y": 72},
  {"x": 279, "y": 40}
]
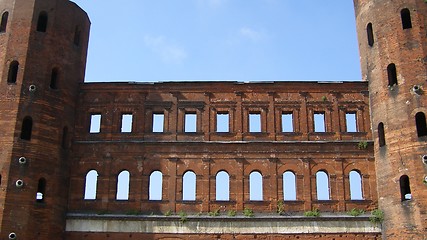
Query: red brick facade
[{"x": 48, "y": 148}]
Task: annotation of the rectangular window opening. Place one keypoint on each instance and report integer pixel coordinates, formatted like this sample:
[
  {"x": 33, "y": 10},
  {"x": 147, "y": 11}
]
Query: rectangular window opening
[
  {"x": 222, "y": 122},
  {"x": 254, "y": 122},
  {"x": 190, "y": 123},
  {"x": 319, "y": 122},
  {"x": 95, "y": 123},
  {"x": 158, "y": 122},
  {"x": 287, "y": 122},
  {"x": 351, "y": 122},
  {"x": 127, "y": 119}
]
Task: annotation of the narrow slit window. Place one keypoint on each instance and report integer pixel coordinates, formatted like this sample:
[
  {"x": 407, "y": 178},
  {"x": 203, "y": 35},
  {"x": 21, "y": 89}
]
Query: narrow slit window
[
  {"x": 405, "y": 14},
  {"x": 355, "y": 179},
  {"x": 190, "y": 122},
  {"x": 95, "y": 123},
  {"x": 287, "y": 122},
  {"x": 289, "y": 186},
  {"x": 77, "y": 33},
  {"x": 222, "y": 122},
  {"x": 91, "y": 185},
  {"x": 254, "y": 122},
  {"x": 319, "y": 122},
  {"x": 158, "y": 122},
  {"x": 255, "y": 186},
  {"x": 189, "y": 186},
  {"x": 42, "y": 22},
  {"x": 370, "y": 33},
  {"x": 54, "y": 78},
  {"x": 13, "y": 72},
  {"x": 405, "y": 189},
  {"x": 222, "y": 186},
  {"x": 27, "y": 128},
  {"x": 392, "y": 74},
  {"x": 123, "y": 182},
  {"x": 322, "y": 186},
  {"x": 420, "y": 120},
  {"x": 351, "y": 122},
  {"x": 64, "y": 142},
  {"x": 381, "y": 134},
  {"x": 41, "y": 189},
  {"x": 127, "y": 119},
  {"x": 3, "y": 23},
  {"x": 155, "y": 187}
]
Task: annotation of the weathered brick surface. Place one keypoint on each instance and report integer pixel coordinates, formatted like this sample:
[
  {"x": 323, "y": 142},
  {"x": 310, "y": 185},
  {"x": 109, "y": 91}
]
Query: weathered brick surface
[{"x": 396, "y": 107}]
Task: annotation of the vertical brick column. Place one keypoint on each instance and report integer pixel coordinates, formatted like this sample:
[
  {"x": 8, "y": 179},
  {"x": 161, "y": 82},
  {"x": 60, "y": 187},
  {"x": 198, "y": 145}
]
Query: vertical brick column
[
  {"x": 205, "y": 186},
  {"x": 172, "y": 189},
  {"x": 271, "y": 117},
  {"x": 308, "y": 186},
  {"x": 238, "y": 121}
]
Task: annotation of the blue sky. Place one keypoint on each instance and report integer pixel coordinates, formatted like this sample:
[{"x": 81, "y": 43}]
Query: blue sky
[{"x": 163, "y": 40}]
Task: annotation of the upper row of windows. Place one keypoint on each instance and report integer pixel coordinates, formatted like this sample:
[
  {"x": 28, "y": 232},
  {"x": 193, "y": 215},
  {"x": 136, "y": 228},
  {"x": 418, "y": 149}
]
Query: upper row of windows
[
  {"x": 223, "y": 122},
  {"x": 42, "y": 23},
  {"x": 405, "y": 16}
]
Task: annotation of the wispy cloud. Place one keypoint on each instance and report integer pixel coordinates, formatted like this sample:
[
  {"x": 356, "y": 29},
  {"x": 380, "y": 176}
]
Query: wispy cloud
[
  {"x": 250, "y": 34},
  {"x": 168, "y": 52},
  {"x": 212, "y": 3}
]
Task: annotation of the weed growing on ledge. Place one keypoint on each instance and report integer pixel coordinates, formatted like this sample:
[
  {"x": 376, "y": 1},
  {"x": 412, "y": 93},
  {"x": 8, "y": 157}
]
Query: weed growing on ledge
[
  {"x": 280, "y": 207},
  {"x": 182, "y": 217},
  {"x": 214, "y": 213},
  {"x": 362, "y": 145},
  {"x": 231, "y": 213},
  {"x": 248, "y": 212},
  {"x": 356, "y": 212},
  {"x": 168, "y": 213},
  {"x": 314, "y": 213},
  {"x": 377, "y": 216}
]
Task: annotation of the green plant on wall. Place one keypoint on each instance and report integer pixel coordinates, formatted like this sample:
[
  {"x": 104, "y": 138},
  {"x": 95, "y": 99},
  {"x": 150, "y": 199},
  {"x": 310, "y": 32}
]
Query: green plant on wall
[
  {"x": 356, "y": 212},
  {"x": 314, "y": 213},
  {"x": 280, "y": 207},
  {"x": 248, "y": 212},
  {"x": 362, "y": 145},
  {"x": 377, "y": 216}
]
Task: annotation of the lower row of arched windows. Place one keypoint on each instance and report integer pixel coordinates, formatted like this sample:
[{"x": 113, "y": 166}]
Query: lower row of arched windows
[{"x": 222, "y": 186}]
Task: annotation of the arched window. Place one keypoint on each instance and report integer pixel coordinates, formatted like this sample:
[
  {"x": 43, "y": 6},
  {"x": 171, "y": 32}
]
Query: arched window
[
  {"x": 41, "y": 188},
  {"x": 381, "y": 135},
  {"x": 54, "y": 78},
  {"x": 27, "y": 128},
  {"x": 405, "y": 189},
  {"x": 255, "y": 186},
  {"x": 3, "y": 23},
  {"x": 222, "y": 186},
  {"x": 13, "y": 72},
  {"x": 370, "y": 34},
  {"x": 322, "y": 185},
  {"x": 355, "y": 185},
  {"x": 64, "y": 142},
  {"x": 90, "y": 185},
  {"x": 406, "y": 18},
  {"x": 189, "y": 186},
  {"x": 156, "y": 186},
  {"x": 123, "y": 181},
  {"x": 42, "y": 22},
  {"x": 77, "y": 33},
  {"x": 289, "y": 186},
  {"x": 420, "y": 119},
  {"x": 392, "y": 74}
]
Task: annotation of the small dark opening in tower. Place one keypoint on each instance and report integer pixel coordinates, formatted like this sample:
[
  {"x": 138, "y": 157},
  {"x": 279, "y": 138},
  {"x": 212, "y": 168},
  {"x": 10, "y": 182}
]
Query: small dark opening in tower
[
  {"x": 3, "y": 23},
  {"x": 13, "y": 72},
  {"x": 406, "y": 18},
  {"x": 42, "y": 22},
  {"x": 41, "y": 188},
  {"x": 27, "y": 127},
  {"x": 64, "y": 143},
  {"x": 405, "y": 189},
  {"x": 381, "y": 135},
  {"x": 392, "y": 74},
  {"x": 77, "y": 34},
  {"x": 54, "y": 78},
  {"x": 370, "y": 33},
  {"x": 420, "y": 120}
]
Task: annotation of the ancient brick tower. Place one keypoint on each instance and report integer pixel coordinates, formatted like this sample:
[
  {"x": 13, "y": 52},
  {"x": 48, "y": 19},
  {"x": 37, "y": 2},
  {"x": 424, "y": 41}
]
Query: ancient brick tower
[
  {"x": 393, "y": 49},
  {"x": 43, "y": 46}
]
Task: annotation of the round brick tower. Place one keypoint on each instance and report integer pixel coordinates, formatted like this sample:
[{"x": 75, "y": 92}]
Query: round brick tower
[
  {"x": 43, "y": 48},
  {"x": 393, "y": 54}
]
